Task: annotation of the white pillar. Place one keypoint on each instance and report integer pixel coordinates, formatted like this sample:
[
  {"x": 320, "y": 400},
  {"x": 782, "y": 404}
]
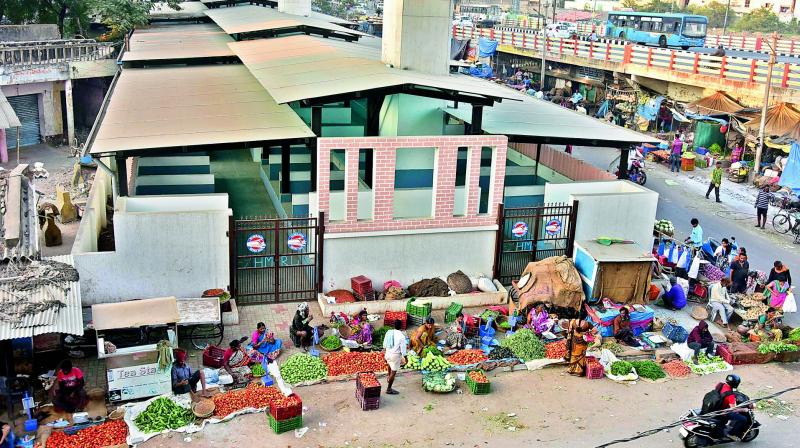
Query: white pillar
[
  {"x": 416, "y": 34},
  {"x": 296, "y": 7},
  {"x": 70, "y": 112}
]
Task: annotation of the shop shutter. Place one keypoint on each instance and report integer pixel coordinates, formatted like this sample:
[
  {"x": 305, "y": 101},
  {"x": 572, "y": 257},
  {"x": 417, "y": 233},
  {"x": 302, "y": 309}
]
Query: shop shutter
[{"x": 27, "y": 109}]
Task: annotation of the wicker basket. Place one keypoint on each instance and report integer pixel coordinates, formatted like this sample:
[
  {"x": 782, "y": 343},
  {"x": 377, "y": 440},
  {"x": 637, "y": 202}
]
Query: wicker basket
[
  {"x": 700, "y": 312},
  {"x": 209, "y": 411}
]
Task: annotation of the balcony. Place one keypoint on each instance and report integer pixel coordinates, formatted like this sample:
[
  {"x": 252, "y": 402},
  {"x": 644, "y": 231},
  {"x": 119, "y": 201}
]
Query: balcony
[{"x": 40, "y": 53}]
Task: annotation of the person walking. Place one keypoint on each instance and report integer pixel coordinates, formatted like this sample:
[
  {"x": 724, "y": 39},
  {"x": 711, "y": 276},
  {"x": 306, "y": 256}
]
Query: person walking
[
  {"x": 696, "y": 237},
  {"x": 762, "y": 206},
  {"x": 716, "y": 180},
  {"x": 675, "y": 157},
  {"x": 394, "y": 342}
]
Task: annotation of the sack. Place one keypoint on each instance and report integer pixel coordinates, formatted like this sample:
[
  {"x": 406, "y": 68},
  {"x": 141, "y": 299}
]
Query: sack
[
  {"x": 790, "y": 304},
  {"x": 714, "y": 400}
]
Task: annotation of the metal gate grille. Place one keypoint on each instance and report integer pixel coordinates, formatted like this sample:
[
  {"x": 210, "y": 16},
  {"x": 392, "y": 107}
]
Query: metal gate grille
[
  {"x": 274, "y": 260},
  {"x": 529, "y": 234},
  {"x": 27, "y": 109}
]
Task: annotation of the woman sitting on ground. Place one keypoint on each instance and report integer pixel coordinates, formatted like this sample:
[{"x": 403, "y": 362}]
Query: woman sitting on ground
[
  {"x": 236, "y": 361},
  {"x": 265, "y": 343},
  {"x": 362, "y": 329},
  {"x": 539, "y": 320},
  {"x": 69, "y": 394},
  {"x": 622, "y": 328},
  {"x": 456, "y": 338}
]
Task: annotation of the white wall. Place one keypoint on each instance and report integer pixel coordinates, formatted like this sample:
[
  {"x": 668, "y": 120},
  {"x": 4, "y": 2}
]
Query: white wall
[
  {"x": 616, "y": 209},
  {"x": 408, "y": 203},
  {"x": 406, "y": 256},
  {"x": 50, "y": 122},
  {"x": 178, "y": 252},
  {"x": 417, "y": 34}
]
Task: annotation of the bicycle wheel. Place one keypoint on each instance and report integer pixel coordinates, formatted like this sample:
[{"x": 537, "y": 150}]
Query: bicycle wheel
[{"x": 782, "y": 224}]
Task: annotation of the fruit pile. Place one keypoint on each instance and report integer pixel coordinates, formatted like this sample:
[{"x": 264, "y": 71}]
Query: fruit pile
[
  {"x": 254, "y": 396},
  {"x": 434, "y": 363},
  {"x": 556, "y": 350},
  {"x": 109, "y": 433},
  {"x": 478, "y": 377},
  {"x": 501, "y": 353},
  {"x": 302, "y": 367},
  {"x": 467, "y": 357},
  {"x": 368, "y": 379},
  {"x": 676, "y": 369},
  {"x": 350, "y": 363},
  {"x": 395, "y": 315}
]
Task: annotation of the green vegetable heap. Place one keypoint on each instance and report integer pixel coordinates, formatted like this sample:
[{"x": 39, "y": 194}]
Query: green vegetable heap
[
  {"x": 438, "y": 382},
  {"x": 649, "y": 370},
  {"x": 258, "y": 370},
  {"x": 706, "y": 365},
  {"x": 413, "y": 362},
  {"x": 776, "y": 347},
  {"x": 331, "y": 343},
  {"x": 434, "y": 363},
  {"x": 525, "y": 345},
  {"x": 302, "y": 367},
  {"x": 378, "y": 335},
  {"x": 794, "y": 335},
  {"x": 501, "y": 353},
  {"x": 621, "y": 368},
  {"x": 430, "y": 349},
  {"x": 162, "y": 414}
]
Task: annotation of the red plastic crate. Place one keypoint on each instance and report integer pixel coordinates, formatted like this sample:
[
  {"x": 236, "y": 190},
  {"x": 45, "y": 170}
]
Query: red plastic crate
[
  {"x": 212, "y": 356},
  {"x": 368, "y": 404},
  {"x": 368, "y": 297},
  {"x": 390, "y": 322},
  {"x": 286, "y": 413},
  {"x": 361, "y": 285},
  {"x": 471, "y": 329},
  {"x": 594, "y": 370}
]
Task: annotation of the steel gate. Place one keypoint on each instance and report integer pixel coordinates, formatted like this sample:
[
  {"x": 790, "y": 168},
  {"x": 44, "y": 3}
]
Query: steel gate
[
  {"x": 275, "y": 259},
  {"x": 27, "y": 109},
  {"x": 529, "y": 234}
]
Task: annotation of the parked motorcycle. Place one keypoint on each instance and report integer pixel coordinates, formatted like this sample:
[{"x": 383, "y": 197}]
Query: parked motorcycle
[
  {"x": 636, "y": 173},
  {"x": 698, "y": 431}
]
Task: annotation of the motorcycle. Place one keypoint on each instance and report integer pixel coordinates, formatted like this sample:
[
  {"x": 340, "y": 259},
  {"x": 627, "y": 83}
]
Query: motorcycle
[
  {"x": 697, "y": 431},
  {"x": 636, "y": 171}
]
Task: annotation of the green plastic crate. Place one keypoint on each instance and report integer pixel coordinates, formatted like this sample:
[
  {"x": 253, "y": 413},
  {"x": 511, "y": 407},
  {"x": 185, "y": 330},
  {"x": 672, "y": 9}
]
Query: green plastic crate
[
  {"x": 478, "y": 388},
  {"x": 285, "y": 425},
  {"x": 418, "y": 310},
  {"x": 452, "y": 312}
]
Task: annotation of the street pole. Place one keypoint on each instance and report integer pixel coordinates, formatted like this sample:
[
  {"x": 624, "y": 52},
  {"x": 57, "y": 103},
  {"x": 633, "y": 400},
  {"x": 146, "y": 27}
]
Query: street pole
[
  {"x": 765, "y": 106},
  {"x": 725, "y": 22},
  {"x": 544, "y": 47}
]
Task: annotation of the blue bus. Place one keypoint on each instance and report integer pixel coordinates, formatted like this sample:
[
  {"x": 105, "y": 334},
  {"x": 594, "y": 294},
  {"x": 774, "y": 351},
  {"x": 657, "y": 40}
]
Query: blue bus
[{"x": 664, "y": 30}]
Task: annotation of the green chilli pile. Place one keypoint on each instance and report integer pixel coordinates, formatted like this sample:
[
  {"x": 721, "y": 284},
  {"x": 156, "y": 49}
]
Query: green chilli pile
[
  {"x": 649, "y": 370},
  {"x": 525, "y": 345},
  {"x": 302, "y": 367},
  {"x": 331, "y": 343},
  {"x": 258, "y": 370},
  {"x": 162, "y": 414},
  {"x": 378, "y": 335},
  {"x": 621, "y": 368}
]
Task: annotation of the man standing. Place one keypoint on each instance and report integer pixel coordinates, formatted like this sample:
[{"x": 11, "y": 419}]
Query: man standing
[
  {"x": 675, "y": 157},
  {"x": 716, "y": 180},
  {"x": 696, "y": 237},
  {"x": 394, "y": 342},
  {"x": 183, "y": 379},
  {"x": 762, "y": 206}
]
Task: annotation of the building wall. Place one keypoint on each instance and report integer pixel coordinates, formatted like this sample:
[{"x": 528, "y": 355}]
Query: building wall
[
  {"x": 165, "y": 246},
  {"x": 50, "y": 116},
  {"x": 21, "y": 33}
]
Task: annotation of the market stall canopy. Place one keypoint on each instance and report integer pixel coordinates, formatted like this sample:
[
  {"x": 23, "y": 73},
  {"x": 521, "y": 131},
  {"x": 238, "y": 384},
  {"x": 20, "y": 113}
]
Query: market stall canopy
[
  {"x": 170, "y": 42},
  {"x": 295, "y": 68},
  {"x": 782, "y": 119},
  {"x": 174, "y": 107},
  {"x": 719, "y": 102},
  {"x": 185, "y": 11},
  {"x": 135, "y": 313},
  {"x": 54, "y": 307},
  {"x": 8, "y": 118},
  {"x": 532, "y": 120},
  {"x": 256, "y": 19}
]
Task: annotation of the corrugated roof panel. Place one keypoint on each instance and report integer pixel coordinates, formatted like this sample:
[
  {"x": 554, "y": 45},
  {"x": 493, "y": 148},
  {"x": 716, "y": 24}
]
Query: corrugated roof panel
[
  {"x": 8, "y": 118},
  {"x": 296, "y": 68},
  {"x": 166, "y": 42},
  {"x": 250, "y": 19},
  {"x": 69, "y": 319},
  {"x": 190, "y": 106}
]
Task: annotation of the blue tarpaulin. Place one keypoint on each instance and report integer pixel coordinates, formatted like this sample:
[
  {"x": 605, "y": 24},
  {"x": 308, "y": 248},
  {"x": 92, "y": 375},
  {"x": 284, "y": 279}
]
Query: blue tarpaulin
[
  {"x": 790, "y": 177},
  {"x": 603, "y": 110},
  {"x": 482, "y": 71},
  {"x": 649, "y": 110},
  {"x": 486, "y": 47}
]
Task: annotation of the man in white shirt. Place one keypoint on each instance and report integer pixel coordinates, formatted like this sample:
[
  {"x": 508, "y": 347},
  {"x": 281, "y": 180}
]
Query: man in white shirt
[
  {"x": 394, "y": 342},
  {"x": 720, "y": 301}
]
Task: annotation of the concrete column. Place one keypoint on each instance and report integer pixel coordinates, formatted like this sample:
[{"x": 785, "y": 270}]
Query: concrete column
[
  {"x": 3, "y": 147},
  {"x": 412, "y": 25},
  {"x": 473, "y": 180},
  {"x": 444, "y": 184},
  {"x": 296, "y": 7},
  {"x": 351, "y": 184},
  {"x": 70, "y": 111}
]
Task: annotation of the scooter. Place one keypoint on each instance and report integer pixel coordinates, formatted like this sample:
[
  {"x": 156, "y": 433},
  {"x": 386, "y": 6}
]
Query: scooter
[
  {"x": 636, "y": 173},
  {"x": 697, "y": 431}
]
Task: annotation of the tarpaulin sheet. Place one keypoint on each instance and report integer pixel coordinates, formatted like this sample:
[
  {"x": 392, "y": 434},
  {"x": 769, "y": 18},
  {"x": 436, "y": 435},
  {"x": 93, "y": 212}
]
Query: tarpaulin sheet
[
  {"x": 707, "y": 117},
  {"x": 678, "y": 116},
  {"x": 650, "y": 109},
  {"x": 791, "y": 173},
  {"x": 459, "y": 49},
  {"x": 486, "y": 47},
  {"x": 482, "y": 71}
]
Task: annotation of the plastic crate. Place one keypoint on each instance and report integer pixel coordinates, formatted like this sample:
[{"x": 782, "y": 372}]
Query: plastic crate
[
  {"x": 286, "y": 413},
  {"x": 416, "y": 320},
  {"x": 594, "y": 370},
  {"x": 413, "y": 309},
  {"x": 390, "y": 322},
  {"x": 367, "y": 392},
  {"x": 675, "y": 333},
  {"x": 471, "y": 330},
  {"x": 369, "y": 296},
  {"x": 368, "y": 404},
  {"x": 477, "y": 388},
  {"x": 281, "y": 426},
  {"x": 452, "y": 312},
  {"x": 361, "y": 285},
  {"x": 212, "y": 356}
]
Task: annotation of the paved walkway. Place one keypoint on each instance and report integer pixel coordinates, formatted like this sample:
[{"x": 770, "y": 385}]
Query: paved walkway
[{"x": 235, "y": 173}]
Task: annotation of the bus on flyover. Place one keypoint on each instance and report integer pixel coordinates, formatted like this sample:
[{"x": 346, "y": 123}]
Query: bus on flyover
[{"x": 664, "y": 30}]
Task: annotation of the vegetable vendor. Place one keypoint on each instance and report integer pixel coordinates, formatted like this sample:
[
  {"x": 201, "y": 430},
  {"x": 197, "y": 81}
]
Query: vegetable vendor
[
  {"x": 675, "y": 298},
  {"x": 236, "y": 361},
  {"x": 622, "y": 328},
  {"x": 720, "y": 301},
  {"x": 183, "y": 379},
  {"x": 700, "y": 340},
  {"x": 362, "y": 330},
  {"x": 577, "y": 334},
  {"x": 455, "y": 333},
  {"x": 770, "y": 326},
  {"x": 264, "y": 341},
  {"x": 424, "y": 336},
  {"x": 69, "y": 394},
  {"x": 300, "y": 331},
  {"x": 539, "y": 320}
]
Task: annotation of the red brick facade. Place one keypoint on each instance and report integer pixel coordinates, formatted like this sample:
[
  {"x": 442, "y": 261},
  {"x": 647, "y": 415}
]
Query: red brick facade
[{"x": 384, "y": 156}]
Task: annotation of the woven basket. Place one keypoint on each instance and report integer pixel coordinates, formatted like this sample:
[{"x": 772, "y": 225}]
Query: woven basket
[
  {"x": 700, "y": 312},
  {"x": 203, "y": 413}
]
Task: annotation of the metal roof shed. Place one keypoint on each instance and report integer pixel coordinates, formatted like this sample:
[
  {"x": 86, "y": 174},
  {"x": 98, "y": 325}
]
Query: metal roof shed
[
  {"x": 170, "y": 43},
  {"x": 254, "y": 21},
  {"x": 135, "y": 313}
]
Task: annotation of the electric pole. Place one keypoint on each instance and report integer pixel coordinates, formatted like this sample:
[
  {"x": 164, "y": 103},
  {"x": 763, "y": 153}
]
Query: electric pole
[
  {"x": 725, "y": 22},
  {"x": 761, "y": 137}
]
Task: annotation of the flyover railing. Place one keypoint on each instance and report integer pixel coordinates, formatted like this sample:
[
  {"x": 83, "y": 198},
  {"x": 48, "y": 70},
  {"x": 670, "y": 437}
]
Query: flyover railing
[{"x": 33, "y": 53}]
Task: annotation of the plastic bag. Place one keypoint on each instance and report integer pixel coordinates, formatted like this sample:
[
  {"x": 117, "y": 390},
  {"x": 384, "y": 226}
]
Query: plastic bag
[
  {"x": 790, "y": 304},
  {"x": 606, "y": 359}
]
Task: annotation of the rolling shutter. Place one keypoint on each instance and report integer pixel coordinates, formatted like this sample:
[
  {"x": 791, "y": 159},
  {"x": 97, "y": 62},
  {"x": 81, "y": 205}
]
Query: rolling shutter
[{"x": 27, "y": 109}]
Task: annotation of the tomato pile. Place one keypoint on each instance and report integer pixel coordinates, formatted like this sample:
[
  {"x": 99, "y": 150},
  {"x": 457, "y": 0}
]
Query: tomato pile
[
  {"x": 368, "y": 380},
  {"x": 254, "y": 396},
  {"x": 478, "y": 377},
  {"x": 676, "y": 369},
  {"x": 467, "y": 357},
  {"x": 349, "y": 363},
  {"x": 108, "y": 434},
  {"x": 395, "y": 315},
  {"x": 284, "y": 402},
  {"x": 556, "y": 350}
]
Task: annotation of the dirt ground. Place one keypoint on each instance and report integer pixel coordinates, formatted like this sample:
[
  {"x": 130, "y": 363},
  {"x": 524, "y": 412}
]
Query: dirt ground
[{"x": 549, "y": 409}]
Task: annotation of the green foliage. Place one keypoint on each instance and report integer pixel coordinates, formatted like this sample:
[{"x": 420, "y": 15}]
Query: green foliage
[
  {"x": 715, "y": 11},
  {"x": 760, "y": 20}
]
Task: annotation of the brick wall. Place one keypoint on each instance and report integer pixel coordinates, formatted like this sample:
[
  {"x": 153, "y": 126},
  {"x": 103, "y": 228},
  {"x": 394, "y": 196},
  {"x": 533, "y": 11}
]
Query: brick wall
[{"x": 385, "y": 157}]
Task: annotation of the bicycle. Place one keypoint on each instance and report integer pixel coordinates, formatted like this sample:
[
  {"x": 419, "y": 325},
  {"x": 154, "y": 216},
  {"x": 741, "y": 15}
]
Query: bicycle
[{"x": 786, "y": 220}]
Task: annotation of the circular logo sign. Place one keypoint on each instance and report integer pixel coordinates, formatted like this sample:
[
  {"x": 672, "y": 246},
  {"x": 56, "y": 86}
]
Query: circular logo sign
[
  {"x": 256, "y": 243},
  {"x": 297, "y": 241},
  {"x": 520, "y": 229},
  {"x": 553, "y": 227}
]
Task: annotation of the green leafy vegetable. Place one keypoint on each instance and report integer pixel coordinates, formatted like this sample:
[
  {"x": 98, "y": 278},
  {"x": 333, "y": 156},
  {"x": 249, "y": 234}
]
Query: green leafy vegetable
[
  {"x": 649, "y": 370},
  {"x": 331, "y": 342},
  {"x": 525, "y": 345},
  {"x": 378, "y": 335},
  {"x": 621, "y": 368},
  {"x": 776, "y": 347}
]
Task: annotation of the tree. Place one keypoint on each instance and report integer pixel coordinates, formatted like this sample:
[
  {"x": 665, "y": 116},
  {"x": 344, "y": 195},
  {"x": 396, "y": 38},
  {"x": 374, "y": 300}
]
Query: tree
[
  {"x": 70, "y": 15},
  {"x": 121, "y": 16},
  {"x": 761, "y": 20},
  {"x": 715, "y": 11}
]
